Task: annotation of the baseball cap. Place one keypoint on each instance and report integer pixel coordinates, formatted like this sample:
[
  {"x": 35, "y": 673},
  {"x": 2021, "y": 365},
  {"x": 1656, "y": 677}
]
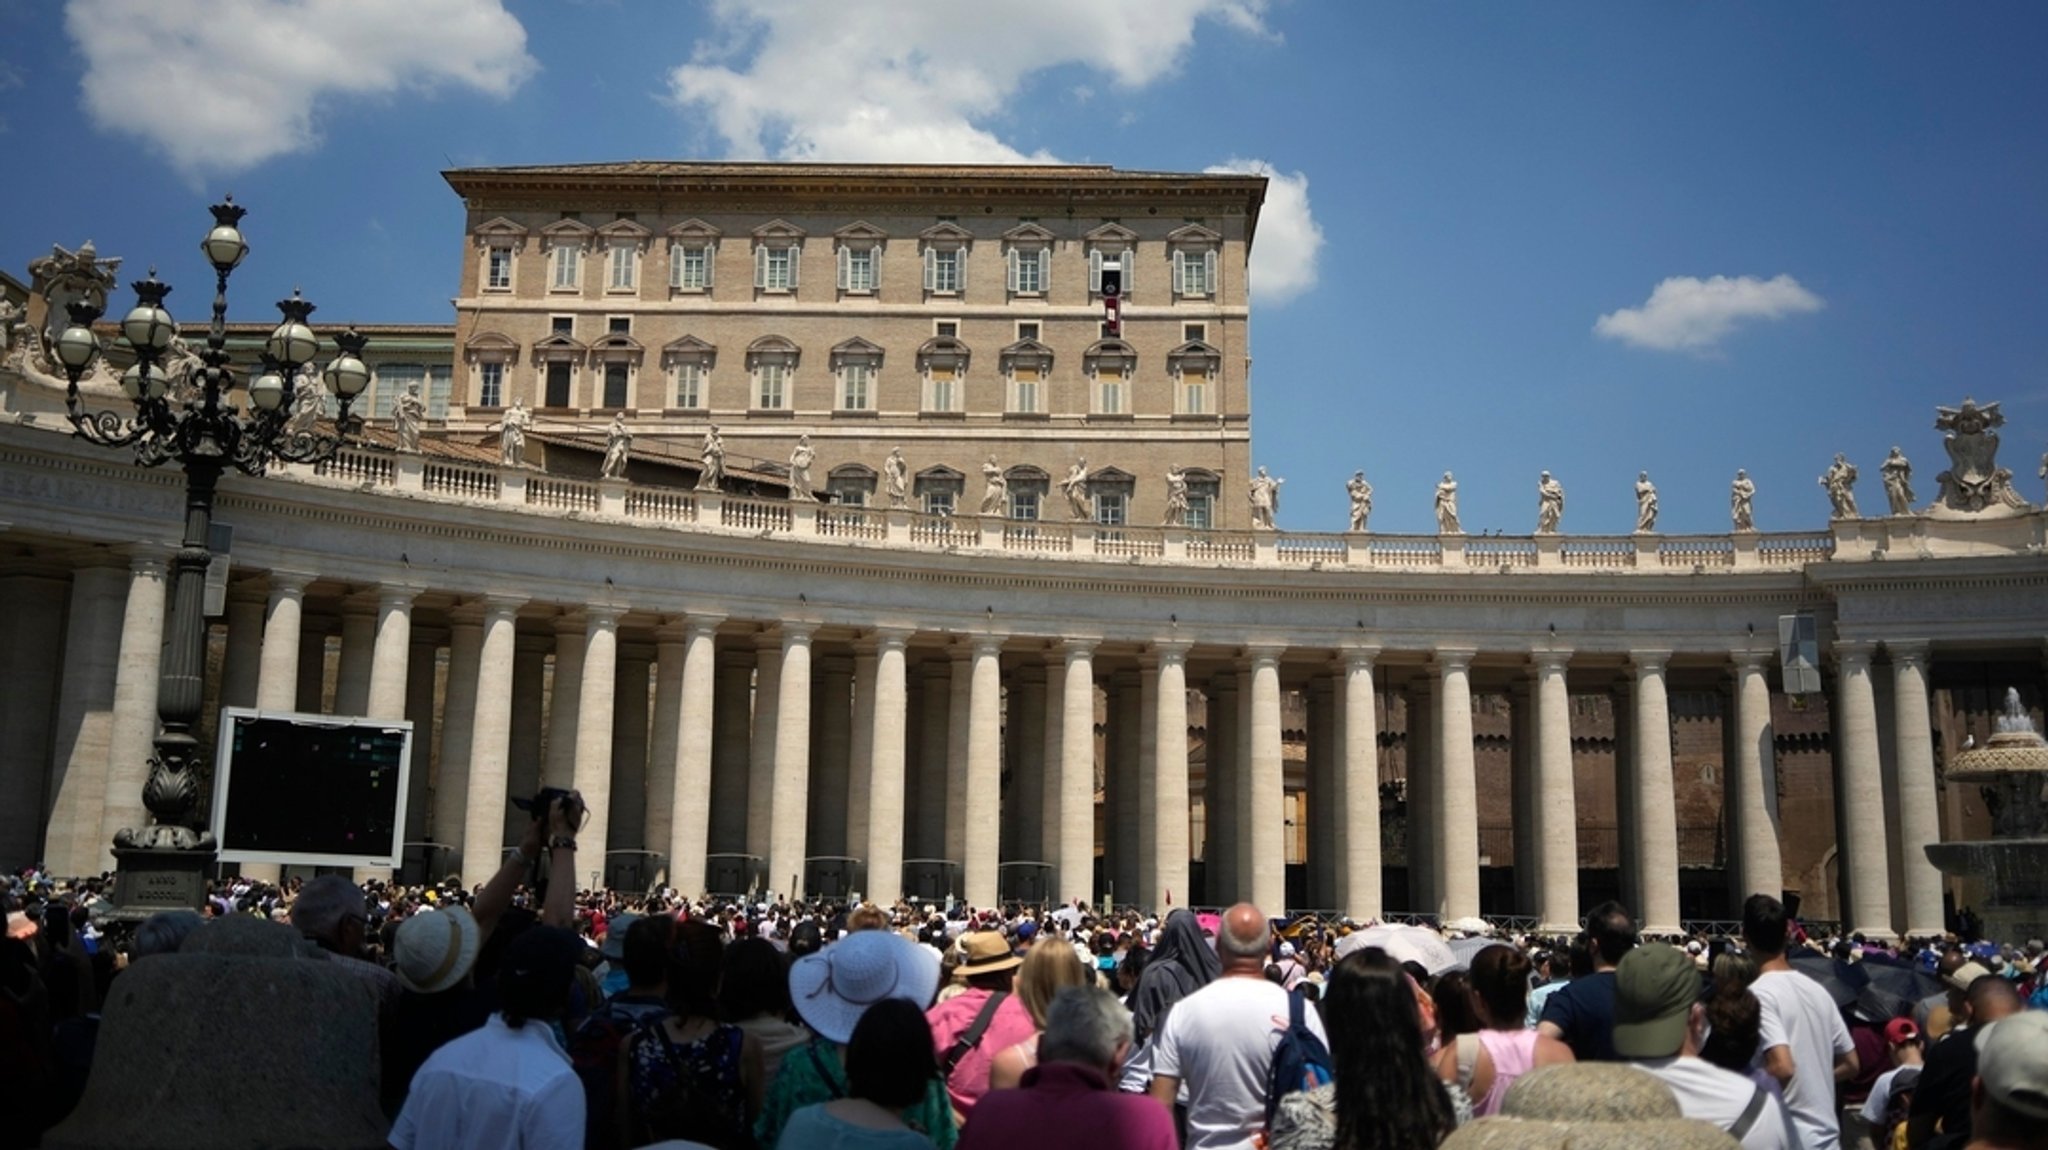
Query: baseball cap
[
  {"x": 1900, "y": 1030},
  {"x": 1654, "y": 990},
  {"x": 1966, "y": 974},
  {"x": 2012, "y": 1063}
]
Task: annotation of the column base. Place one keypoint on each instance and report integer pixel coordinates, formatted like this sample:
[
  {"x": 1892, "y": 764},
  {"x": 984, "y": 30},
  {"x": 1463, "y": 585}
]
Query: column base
[
  {"x": 147, "y": 881},
  {"x": 1561, "y": 928},
  {"x": 1672, "y": 930}
]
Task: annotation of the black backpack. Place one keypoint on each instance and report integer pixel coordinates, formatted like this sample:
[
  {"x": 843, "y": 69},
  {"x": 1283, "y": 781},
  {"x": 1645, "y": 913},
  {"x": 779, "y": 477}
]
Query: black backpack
[{"x": 1300, "y": 1060}]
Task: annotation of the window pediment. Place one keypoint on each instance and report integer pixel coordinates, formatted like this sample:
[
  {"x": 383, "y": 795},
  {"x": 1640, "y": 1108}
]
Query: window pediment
[
  {"x": 1112, "y": 234},
  {"x": 567, "y": 233},
  {"x": 940, "y": 471},
  {"x": 687, "y": 347},
  {"x": 501, "y": 233},
  {"x": 1028, "y": 234},
  {"x": 857, "y": 350},
  {"x": 1026, "y": 351},
  {"x": 491, "y": 346},
  {"x": 693, "y": 231},
  {"x": 559, "y": 346},
  {"x": 617, "y": 348},
  {"x": 946, "y": 232},
  {"x": 1194, "y": 235},
  {"x": 625, "y": 232},
  {"x": 1201, "y": 475},
  {"x": 852, "y": 471},
  {"x": 777, "y": 230},
  {"x": 1027, "y": 473},
  {"x": 861, "y": 232},
  {"x": 1111, "y": 475},
  {"x": 1114, "y": 354},
  {"x": 943, "y": 351},
  {"x": 772, "y": 349}
]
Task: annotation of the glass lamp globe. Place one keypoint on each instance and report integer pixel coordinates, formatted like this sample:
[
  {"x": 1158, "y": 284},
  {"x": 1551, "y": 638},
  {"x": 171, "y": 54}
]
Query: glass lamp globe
[
  {"x": 267, "y": 390},
  {"x": 149, "y": 327},
  {"x": 77, "y": 347},
  {"x": 131, "y": 382},
  {"x": 347, "y": 376},
  {"x": 224, "y": 247}
]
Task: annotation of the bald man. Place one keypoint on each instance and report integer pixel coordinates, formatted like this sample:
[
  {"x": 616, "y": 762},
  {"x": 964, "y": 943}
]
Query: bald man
[{"x": 1219, "y": 1040}]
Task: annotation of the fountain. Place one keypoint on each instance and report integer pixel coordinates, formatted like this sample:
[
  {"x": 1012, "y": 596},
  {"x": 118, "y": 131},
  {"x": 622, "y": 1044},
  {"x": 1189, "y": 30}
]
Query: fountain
[{"x": 2012, "y": 770}]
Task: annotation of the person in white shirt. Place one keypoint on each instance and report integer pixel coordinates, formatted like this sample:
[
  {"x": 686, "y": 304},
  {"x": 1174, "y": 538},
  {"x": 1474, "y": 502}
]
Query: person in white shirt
[
  {"x": 1805, "y": 1044},
  {"x": 1220, "y": 1039},
  {"x": 508, "y": 1084},
  {"x": 1659, "y": 1025}
]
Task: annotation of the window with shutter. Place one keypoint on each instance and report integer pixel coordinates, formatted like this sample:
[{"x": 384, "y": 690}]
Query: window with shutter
[
  {"x": 490, "y": 385},
  {"x": 567, "y": 268},
  {"x": 623, "y": 257},
  {"x": 690, "y": 268},
  {"x": 498, "y": 269},
  {"x": 689, "y": 385}
]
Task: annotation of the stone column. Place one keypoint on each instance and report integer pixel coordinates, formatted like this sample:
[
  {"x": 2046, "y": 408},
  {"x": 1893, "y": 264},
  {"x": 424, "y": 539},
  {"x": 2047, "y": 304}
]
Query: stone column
[
  {"x": 731, "y": 751},
  {"x": 1919, "y": 806},
  {"x": 390, "y": 662},
  {"x": 831, "y": 755},
  {"x": 1656, "y": 805},
  {"x": 1322, "y": 695},
  {"x": 663, "y": 736},
  {"x": 33, "y": 627},
  {"x": 500, "y": 670},
  {"x": 886, "y": 717},
  {"x": 85, "y": 718},
  {"x": 1862, "y": 794},
  {"x": 1169, "y": 809},
  {"x": 1146, "y": 893},
  {"x": 595, "y": 706},
  {"x": 1357, "y": 796},
  {"x": 761, "y": 748},
  {"x": 131, "y": 742},
  {"x": 527, "y": 726},
  {"x": 1076, "y": 843},
  {"x": 1025, "y": 800},
  {"x": 1425, "y": 859},
  {"x": 277, "y": 675},
  {"x": 358, "y": 637},
  {"x": 960, "y": 700},
  {"x": 1556, "y": 822},
  {"x": 928, "y": 804},
  {"x": 627, "y": 829},
  {"x": 1223, "y": 884},
  {"x": 565, "y": 697},
  {"x": 860, "y": 757},
  {"x": 1522, "y": 762},
  {"x": 693, "y": 773},
  {"x": 311, "y": 693},
  {"x": 1266, "y": 812},
  {"x": 1759, "y": 866},
  {"x": 792, "y": 774},
  {"x": 457, "y": 732},
  {"x": 1052, "y": 770},
  {"x": 1622, "y": 696},
  {"x": 984, "y": 773},
  {"x": 240, "y": 664},
  {"x": 1458, "y": 800},
  {"x": 1121, "y": 838},
  {"x": 423, "y": 654}
]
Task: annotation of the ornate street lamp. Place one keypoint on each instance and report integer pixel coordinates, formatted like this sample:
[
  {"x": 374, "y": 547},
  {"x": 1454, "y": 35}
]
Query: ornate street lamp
[{"x": 186, "y": 415}]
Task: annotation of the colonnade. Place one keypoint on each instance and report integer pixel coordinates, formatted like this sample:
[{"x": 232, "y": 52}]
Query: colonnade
[{"x": 699, "y": 736}]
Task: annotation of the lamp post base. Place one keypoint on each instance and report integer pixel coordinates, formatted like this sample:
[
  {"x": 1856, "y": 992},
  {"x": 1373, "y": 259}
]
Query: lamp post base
[{"x": 147, "y": 881}]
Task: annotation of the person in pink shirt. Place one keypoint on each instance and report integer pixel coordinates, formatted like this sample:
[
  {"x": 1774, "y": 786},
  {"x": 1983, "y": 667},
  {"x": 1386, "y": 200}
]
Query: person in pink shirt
[
  {"x": 1087, "y": 1035},
  {"x": 1504, "y": 1049},
  {"x": 971, "y": 1028}
]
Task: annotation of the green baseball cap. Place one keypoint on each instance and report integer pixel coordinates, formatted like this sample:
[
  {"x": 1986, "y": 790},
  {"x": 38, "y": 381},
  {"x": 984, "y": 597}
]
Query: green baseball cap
[{"x": 1654, "y": 989}]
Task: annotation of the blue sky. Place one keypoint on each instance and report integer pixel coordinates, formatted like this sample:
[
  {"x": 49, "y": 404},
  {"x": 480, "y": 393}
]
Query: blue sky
[{"x": 1463, "y": 192}]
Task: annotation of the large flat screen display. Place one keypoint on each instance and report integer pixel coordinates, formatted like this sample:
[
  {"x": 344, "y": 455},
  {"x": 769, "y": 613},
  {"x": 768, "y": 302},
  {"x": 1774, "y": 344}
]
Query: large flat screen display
[{"x": 310, "y": 790}]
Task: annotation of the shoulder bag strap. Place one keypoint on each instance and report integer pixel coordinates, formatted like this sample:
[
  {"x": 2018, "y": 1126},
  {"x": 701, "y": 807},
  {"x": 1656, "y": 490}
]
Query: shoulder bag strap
[
  {"x": 1468, "y": 1059},
  {"x": 971, "y": 1037},
  {"x": 824, "y": 1072},
  {"x": 1750, "y": 1115}
]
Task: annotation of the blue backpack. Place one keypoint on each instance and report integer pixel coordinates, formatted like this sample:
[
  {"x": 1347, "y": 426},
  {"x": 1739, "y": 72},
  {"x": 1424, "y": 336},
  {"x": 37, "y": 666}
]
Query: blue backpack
[{"x": 1300, "y": 1060}]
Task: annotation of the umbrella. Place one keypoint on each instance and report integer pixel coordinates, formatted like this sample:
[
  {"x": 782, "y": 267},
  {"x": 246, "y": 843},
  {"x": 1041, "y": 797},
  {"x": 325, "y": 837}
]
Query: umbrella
[
  {"x": 1470, "y": 925},
  {"x": 1894, "y": 991},
  {"x": 1842, "y": 980},
  {"x": 1417, "y": 944},
  {"x": 1466, "y": 948},
  {"x": 1068, "y": 915}
]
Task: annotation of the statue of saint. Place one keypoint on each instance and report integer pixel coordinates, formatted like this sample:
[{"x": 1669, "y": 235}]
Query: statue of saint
[
  {"x": 1741, "y": 501},
  {"x": 407, "y": 412},
  {"x": 1361, "y": 500},
  {"x": 1549, "y": 504},
  {"x": 1075, "y": 488},
  {"x": 995, "y": 488},
  {"x": 10, "y": 319},
  {"x": 1646, "y": 504},
  {"x": 1265, "y": 497},
  {"x": 896, "y": 478},
  {"x": 1177, "y": 495},
  {"x": 618, "y": 446},
  {"x": 711, "y": 469},
  {"x": 512, "y": 435},
  {"x": 1840, "y": 481},
  {"x": 308, "y": 401},
  {"x": 1898, "y": 482},
  {"x": 800, "y": 459},
  {"x": 1447, "y": 507}
]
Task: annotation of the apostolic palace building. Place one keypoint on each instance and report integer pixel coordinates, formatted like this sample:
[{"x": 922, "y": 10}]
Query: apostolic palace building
[{"x": 827, "y": 529}]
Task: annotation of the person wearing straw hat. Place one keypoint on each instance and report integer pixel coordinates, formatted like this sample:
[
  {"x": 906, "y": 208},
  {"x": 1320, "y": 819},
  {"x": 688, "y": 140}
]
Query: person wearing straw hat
[
  {"x": 972, "y": 1027},
  {"x": 831, "y": 990}
]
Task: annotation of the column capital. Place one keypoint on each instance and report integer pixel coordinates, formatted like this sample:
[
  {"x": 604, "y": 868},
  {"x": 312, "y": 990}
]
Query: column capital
[
  {"x": 568, "y": 623},
  {"x": 150, "y": 562},
  {"x": 1079, "y": 648},
  {"x": 683, "y": 628},
  {"x": 1553, "y": 661},
  {"x": 879, "y": 639},
  {"x": 489, "y": 607},
  {"x": 1354, "y": 658},
  {"x": 1751, "y": 660},
  {"x": 602, "y": 616},
  {"x": 1854, "y": 653},
  {"x": 1449, "y": 659},
  {"x": 984, "y": 645},
  {"x": 1261, "y": 653},
  {"x": 282, "y": 581},
  {"x": 797, "y": 634},
  {"x": 391, "y": 595},
  {"x": 1175, "y": 648},
  {"x": 1908, "y": 651},
  {"x": 1649, "y": 662}
]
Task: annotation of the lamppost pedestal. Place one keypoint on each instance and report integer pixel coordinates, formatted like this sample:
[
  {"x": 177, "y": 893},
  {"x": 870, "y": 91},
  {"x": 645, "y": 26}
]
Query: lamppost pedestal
[{"x": 149, "y": 880}]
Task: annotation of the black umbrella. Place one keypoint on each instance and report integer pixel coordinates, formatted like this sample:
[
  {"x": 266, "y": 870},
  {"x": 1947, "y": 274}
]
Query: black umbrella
[
  {"x": 1893, "y": 991},
  {"x": 1843, "y": 981}
]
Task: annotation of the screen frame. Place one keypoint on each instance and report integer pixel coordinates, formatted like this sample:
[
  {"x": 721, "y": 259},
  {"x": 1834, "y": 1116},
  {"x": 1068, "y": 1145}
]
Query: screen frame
[{"x": 223, "y": 780}]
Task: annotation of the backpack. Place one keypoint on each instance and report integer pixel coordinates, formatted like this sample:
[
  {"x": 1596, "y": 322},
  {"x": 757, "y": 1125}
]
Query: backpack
[{"x": 1300, "y": 1060}]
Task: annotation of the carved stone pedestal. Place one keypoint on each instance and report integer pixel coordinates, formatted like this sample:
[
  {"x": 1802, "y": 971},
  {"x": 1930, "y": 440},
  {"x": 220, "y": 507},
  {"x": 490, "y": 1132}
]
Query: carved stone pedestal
[{"x": 147, "y": 881}]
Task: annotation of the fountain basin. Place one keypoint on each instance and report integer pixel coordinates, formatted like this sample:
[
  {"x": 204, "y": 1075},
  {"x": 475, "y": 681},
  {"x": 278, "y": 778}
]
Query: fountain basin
[{"x": 2015, "y": 874}]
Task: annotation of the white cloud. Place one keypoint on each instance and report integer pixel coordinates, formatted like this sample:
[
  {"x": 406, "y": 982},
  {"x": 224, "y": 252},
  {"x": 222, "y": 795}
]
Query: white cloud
[
  {"x": 1284, "y": 251},
  {"x": 1686, "y": 313},
  {"x": 912, "y": 81},
  {"x": 223, "y": 85}
]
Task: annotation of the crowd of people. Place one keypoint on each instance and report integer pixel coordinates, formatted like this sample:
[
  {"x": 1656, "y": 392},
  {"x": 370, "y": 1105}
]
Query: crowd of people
[{"x": 523, "y": 1012}]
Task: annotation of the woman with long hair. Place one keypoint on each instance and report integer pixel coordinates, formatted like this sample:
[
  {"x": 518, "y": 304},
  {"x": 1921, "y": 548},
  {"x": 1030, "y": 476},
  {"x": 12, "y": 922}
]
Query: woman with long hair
[
  {"x": 1384, "y": 1095},
  {"x": 1487, "y": 1060},
  {"x": 1048, "y": 966},
  {"x": 753, "y": 994},
  {"x": 689, "y": 1075}
]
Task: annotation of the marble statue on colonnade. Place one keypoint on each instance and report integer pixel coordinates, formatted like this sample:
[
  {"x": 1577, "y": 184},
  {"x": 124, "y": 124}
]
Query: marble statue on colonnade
[
  {"x": 1177, "y": 493},
  {"x": 1361, "y": 500},
  {"x": 896, "y": 479},
  {"x": 62, "y": 278},
  {"x": 1898, "y": 481},
  {"x": 309, "y": 401},
  {"x": 1974, "y": 483},
  {"x": 800, "y": 459},
  {"x": 711, "y": 474},
  {"x": 1447, "y": 506},
  {"x": 406, "y": 413},
  {"x": 1549, "y": 504},
  {"x": 512, "y": 434},
  {"x": 1840, "y": 481},
  {"x": 618, "y": 447},
  {"x": 1075, "y": 487},
  {"x": 1265, "y": 497},
  {"x": 1742, "y": 501},
  {"x": 13, "y": 321},
  {"x": 995, "y": 488},
  {"x": 1646, "y": 504}
]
